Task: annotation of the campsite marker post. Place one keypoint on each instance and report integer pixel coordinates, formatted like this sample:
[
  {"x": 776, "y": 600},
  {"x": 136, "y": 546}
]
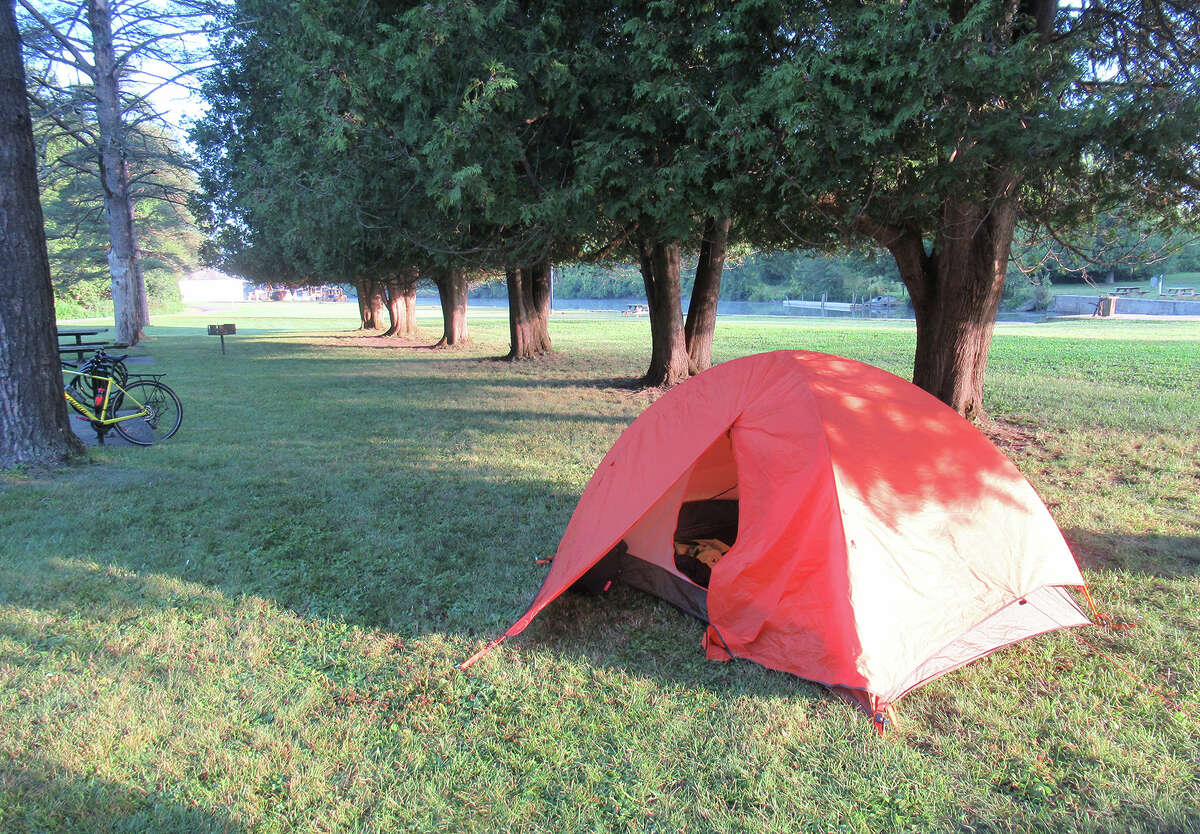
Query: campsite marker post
[{"x": 222, "y": 330}]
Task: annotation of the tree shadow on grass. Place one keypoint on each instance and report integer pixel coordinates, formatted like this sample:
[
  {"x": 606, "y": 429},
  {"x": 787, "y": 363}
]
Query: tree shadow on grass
[
  {"x": 1170, "y": 557},
  {"x": 435, "y": 556},
  {"x": 635, "y": 633},
  {"x": 376, "y": 340},
  {"x": 547, "y": 363},
  {"x": 620, "y": 638},
  {"x": 36, "y": 795},
  {"x": 466, "y": 597},
  {"x": 625, "y": 631},
  {"x": 483, "y": 379}
]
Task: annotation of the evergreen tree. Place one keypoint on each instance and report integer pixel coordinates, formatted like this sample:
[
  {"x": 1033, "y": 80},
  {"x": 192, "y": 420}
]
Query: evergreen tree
[
  {"x": 933, "y": 128},
  {"x": 115, "y": 47},
  {"x": 161, "y": 181},
  {"x": 33, "y": 415}
]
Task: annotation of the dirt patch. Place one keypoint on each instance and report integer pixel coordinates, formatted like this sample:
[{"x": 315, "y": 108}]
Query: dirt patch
[
  {"x": 1009, "y": 437},
  {"x": 366, "y": 340}
]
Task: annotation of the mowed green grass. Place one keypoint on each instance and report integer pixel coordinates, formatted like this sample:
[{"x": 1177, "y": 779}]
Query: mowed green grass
[{"x": 253, "y": 627}]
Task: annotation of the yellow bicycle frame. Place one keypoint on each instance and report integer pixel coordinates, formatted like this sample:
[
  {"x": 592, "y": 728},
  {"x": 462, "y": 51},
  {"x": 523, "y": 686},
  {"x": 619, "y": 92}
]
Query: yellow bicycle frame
[{"x": 99, "y": 417}]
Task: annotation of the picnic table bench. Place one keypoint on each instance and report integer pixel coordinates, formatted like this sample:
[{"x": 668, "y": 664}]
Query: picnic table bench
[
  {"x": 1180, "y": 291},
  {"x": 80, "y": 347},
  {"x": 1128, "y": 291}
]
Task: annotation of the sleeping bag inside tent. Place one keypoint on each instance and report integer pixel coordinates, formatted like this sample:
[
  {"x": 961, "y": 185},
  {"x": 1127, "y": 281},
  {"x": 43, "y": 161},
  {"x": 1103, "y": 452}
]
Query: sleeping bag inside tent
[{"x": 824, "y": 518}]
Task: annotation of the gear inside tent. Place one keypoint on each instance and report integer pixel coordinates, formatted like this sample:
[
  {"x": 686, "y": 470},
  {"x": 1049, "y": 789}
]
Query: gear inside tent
[{"x": 825, "y": 518}]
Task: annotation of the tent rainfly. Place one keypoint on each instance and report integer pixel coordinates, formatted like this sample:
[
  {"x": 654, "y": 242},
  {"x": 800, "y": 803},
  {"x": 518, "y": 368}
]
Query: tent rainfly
[{"x": 876, "y": 539}]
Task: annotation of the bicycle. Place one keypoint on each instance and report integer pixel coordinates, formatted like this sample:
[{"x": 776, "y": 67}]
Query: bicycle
[{"x": 144, "y": 411}]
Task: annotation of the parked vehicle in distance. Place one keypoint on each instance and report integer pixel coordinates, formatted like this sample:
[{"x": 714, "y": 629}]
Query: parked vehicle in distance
[{"x": 276, "y": 292}]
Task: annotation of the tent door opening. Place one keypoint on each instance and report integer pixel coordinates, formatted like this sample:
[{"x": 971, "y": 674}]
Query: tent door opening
[
  {"x": 671, "y": 550},
  {"x": 703, "y": 535}
]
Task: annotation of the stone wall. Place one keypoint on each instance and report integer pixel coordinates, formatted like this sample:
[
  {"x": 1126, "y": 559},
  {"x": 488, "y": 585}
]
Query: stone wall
[{"x": 1086, "y": 304}]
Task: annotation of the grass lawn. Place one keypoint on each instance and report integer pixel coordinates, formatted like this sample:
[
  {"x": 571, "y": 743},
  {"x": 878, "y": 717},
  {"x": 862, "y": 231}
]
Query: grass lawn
[
  {"x": 1174, "y": 278},
  {"x": 252, "y": 627}
]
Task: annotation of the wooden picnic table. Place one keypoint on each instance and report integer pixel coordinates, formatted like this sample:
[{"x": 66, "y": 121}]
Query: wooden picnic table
[
  {"x": 78, "y": 334},
  {"x": 80, "y": 347},
  {"x": 1180, "y": 291},
  {"x": 1128, "y": 291}
]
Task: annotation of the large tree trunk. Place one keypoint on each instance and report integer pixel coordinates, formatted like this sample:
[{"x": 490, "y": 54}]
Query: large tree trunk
[
  {"x": 702, "y": 308},
  {"x": 370, "y": 303},
  {"x": 376, "y": 302},
  {"x": 33, "y": 415},
  {"x": 452, "y": 287},
  {"x": 404, "y": 288},
  {"x": 668, "y": 348},
  {"x": 528, "y": 311},
  {"x": 397, "y": 324},
  {"x": 956, "y": 294},
  {"x": 408, "y": 296},
  {"x": 128, "y": 285},
  {"x": 363, "y": 289}
]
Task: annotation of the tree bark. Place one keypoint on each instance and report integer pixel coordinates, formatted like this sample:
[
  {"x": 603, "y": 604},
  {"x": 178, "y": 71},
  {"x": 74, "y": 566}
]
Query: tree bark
[
  {"x": 363, "y": 288},
  {"x": 452, "y": 287},
  {"x": 701, "y": 321},
  {"x": 528, "y": 311},
  {"x": 370, "y": 303},
  {"x": 128, "y": 286},
  {"x": 956, "y": 294},
  {"x": 376, "y": 302},
  {"x": 33, "y": 415},
  {"x": 1042, "y": 12},
  {"x": 397, "y": 312},
  {"x": 409, "y": 299},
  {"x": 669, "y": 361},
  {"x": 404, "y": 288}
]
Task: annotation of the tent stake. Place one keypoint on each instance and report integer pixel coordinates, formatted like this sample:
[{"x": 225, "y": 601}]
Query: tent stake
[{"x": 487, "y": 647}]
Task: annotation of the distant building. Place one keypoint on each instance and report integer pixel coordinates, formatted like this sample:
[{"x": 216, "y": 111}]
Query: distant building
[{"x": 208, "y": 286}]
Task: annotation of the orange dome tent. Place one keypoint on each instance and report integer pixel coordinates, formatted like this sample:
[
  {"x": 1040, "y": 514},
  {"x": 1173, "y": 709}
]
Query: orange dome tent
[{"x": 876, "y": 539}]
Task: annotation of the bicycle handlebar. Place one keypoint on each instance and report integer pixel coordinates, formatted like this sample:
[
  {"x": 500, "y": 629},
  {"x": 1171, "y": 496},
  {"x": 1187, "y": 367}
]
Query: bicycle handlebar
[{"x": 101, "y": 356}]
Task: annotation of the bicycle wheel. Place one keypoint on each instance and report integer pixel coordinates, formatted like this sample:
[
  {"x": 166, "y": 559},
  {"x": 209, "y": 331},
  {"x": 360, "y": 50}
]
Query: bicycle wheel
[{"x": 164, "y": 412}]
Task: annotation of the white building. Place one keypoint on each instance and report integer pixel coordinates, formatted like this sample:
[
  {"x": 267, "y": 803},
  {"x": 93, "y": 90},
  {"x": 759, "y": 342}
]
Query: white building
[{"x": 208, "y": 286}]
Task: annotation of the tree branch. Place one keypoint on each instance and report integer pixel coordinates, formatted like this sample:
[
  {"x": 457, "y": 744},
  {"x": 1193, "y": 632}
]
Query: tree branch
[{"x": 82, "y": 64}]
